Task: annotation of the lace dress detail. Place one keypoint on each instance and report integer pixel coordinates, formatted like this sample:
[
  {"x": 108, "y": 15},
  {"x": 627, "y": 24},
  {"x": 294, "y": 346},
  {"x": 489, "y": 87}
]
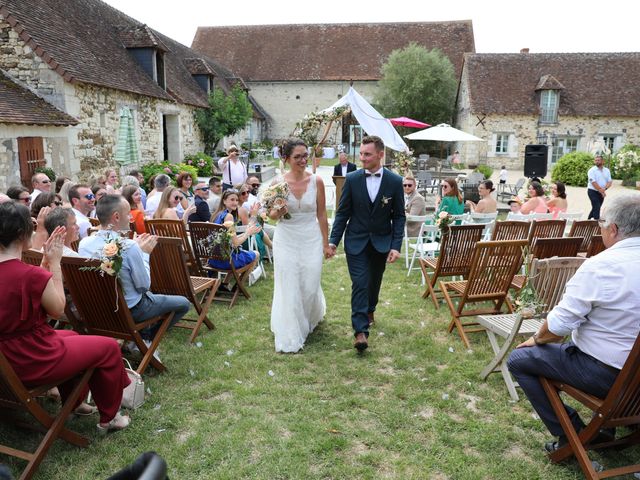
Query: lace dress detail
[{"x": 298, "y": 300}]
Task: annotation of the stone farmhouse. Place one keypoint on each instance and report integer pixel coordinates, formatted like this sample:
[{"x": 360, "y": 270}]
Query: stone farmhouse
[
  {"x": 71, "y": 70},
  {"x": 293, "y": 70},
  {"x": 566, "y": 101}
]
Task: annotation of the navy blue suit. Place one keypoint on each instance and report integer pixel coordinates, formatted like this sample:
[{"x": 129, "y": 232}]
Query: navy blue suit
[
  {"x": 370, "y": 230},
  {"x": 202, "y": 213},
  {"x": 337, "y": 169}
]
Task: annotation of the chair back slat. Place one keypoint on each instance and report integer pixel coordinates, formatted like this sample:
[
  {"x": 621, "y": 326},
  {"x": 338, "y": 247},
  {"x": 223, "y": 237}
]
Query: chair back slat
[
  {"x": 511, "y": 230},
  {"x": 174, "y": 229},
  {"x": 494, "y": 264},
  {"x": 169, "y": 272},
  {"x": 202, "y": 234},
  {"x": 456, "y": 249},
  {"x": 585, "y": 229},
  {"x": 596, "y": 246},
  {"x": 556, "y": 247},
  {"x": 32, "y": 257},
  {"x": 546, "y": 229},
  {"x": 549, "y": 276},
  {"x": 98, "y": 298}
]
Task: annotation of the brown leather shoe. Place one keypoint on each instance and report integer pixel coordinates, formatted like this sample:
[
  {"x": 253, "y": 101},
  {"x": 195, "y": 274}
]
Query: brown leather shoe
[
  {"x": 371, "y": 318},
  {"x": 361, "y": 343}
]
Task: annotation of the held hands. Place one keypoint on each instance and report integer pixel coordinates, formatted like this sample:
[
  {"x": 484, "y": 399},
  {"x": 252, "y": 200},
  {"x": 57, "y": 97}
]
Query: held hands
[
  {"x": 393, "y": 256},
  {"x": 147, "y": 242},
  {"x": 52, "y": 248},
  {"x": 329, "y": 251}
]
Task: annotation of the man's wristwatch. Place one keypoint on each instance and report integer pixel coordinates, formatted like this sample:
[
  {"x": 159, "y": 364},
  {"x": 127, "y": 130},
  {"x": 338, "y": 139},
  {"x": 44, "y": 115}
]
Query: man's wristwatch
[{"x": 535, "y": 339}]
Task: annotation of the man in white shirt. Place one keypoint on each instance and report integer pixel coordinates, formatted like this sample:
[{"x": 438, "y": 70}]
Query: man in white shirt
[
  {"x": 253, "y": 184},
  {"x": 161, "y": 182},
  {"x": 599, "y": 181},
  {"x": 233, "y": 170},
  {"x": 83, "y": 202},
  {"x": 599, "y": 309},
  {"x": 40, "y": 183},
  {"x": 215, "y": 194}
]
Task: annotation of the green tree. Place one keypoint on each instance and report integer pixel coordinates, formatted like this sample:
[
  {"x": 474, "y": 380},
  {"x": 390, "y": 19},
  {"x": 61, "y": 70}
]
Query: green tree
[
  {"x": 227, "y": 114},
  {"x": 417, "y": 83}
]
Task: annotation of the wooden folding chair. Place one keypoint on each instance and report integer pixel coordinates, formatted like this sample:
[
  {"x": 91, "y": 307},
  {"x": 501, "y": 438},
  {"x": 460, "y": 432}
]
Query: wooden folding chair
[
  {"x": 511, "y": 230},
  {"x": 596, "y": 246},
  {"x": 170, "y": 276},
  {"x": 15, "y": 396},
  {"x": 102, "y": 306},
  {"x": 585, "y": 229},
  {"x": 175, "y": 229},
  {"x": 548, "y": 278},
  {"x": 546, "y": 229},
  {"x": 456, "y": 248},
  {"x": 556, "y": 247},
  {"x": 620, "y": 408},
  {"x": 493, "y": 265},
  {"x": 204, "y": 251}
]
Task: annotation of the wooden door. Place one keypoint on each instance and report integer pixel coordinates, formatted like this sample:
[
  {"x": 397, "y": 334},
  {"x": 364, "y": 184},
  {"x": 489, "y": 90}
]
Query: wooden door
[{"x": 31, "y": 156}]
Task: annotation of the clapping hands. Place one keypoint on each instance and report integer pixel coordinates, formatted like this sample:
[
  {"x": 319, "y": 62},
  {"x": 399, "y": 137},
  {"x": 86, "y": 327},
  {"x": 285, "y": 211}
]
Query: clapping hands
[
  {"x": 147, "y": 242},
  {"x": 52, "y": 248}
]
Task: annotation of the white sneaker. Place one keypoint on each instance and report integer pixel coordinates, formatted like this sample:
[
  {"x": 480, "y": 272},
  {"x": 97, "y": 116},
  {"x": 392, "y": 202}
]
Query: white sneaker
[{"x": 156, "y": 354}]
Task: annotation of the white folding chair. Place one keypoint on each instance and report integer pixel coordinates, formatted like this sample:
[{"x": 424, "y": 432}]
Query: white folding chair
[
  {"x": 570, "y": 217},
  {"x": 519, "y": 217},
  {"x": 253, "y": 246},
  {"x": 426, "y": 245},
  {"x": 407, "y": 238},
  {"x": 542, "y": 216},
  {"x": 488, "y": 219}
]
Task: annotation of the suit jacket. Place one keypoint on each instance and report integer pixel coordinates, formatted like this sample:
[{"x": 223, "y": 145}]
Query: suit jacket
[
  {"x": 380, "y": 222},
  {"x": 415, "y": 206},
  {"x": 337, "y": 170},
  {"x": 202, "y": 213}
]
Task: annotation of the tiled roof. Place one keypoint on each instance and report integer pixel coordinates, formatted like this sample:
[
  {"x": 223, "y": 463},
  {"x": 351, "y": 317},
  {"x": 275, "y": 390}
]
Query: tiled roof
[
  {"x": 20, "y": 105},
  {"x": 84, "y": 41},
  {"x": 590, "y": 83},
  {"x": 327, "y": 51}
]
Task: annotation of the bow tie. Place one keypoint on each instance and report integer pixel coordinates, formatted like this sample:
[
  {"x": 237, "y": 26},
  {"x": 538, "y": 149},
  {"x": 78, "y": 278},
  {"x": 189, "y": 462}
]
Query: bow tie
[{"x": 367, "y": 174}]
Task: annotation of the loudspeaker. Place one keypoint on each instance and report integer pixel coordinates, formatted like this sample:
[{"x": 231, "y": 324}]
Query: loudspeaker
[{"x": 535, "y": 161}]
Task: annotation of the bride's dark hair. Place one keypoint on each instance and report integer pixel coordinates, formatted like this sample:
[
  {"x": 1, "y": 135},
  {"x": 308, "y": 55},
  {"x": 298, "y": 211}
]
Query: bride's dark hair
[{"x": 286, "y": 148}]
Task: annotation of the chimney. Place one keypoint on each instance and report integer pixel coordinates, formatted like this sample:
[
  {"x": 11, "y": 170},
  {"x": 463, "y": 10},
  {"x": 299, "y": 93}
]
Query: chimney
[{"x": 524, "y": 50}]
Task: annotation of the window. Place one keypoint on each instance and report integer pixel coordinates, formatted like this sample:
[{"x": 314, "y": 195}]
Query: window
[
  {"x": 612, "y": 142},
  {"x": 562, "y": 146},
  {"x": 548, "y": 106},
  {"x": 160, "y": 78},
  {"x": 502, "y": 143}
]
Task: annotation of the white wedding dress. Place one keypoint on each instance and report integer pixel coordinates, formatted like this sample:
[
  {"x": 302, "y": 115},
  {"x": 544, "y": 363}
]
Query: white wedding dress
[{"x": 298, "y": 301}]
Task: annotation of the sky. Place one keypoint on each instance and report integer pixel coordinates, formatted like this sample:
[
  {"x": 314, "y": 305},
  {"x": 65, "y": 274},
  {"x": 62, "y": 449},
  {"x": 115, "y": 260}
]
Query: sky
[{"x": 499, "y": 26}]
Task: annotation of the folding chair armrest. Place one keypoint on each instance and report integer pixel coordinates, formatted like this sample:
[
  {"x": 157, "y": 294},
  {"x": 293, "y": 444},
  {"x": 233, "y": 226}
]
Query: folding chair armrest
[{"x": 590, "y": 401}]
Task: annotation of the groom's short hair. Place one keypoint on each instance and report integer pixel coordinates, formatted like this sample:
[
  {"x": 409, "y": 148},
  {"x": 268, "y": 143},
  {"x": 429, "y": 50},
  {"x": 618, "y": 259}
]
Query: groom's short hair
[{"x": 377, "y": 141}]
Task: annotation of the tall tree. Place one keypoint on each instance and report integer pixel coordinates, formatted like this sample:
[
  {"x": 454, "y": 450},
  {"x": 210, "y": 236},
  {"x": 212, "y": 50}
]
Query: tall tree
[
  {"x": 417, "y": 83},
  {"x": 227, "y": 114}
]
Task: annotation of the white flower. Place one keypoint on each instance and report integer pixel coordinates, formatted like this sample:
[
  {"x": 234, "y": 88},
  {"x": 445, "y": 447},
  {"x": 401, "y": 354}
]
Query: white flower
[{"x": 443, "y": 214}]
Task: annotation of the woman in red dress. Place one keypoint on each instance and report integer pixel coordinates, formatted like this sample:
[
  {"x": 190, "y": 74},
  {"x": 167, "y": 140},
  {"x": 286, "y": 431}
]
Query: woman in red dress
[{"x": 38, "y": 353}]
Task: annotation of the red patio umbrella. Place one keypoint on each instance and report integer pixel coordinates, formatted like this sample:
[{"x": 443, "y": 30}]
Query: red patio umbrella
[{"x": 408, "y": 122}]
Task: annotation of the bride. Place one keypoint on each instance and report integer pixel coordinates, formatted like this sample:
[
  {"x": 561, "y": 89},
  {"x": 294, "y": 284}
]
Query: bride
[{"x": 298, "y": 247}]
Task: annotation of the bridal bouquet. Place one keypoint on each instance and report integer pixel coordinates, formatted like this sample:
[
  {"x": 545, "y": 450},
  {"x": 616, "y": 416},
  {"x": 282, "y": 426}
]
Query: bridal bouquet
[{"x": 275, "y": 197}]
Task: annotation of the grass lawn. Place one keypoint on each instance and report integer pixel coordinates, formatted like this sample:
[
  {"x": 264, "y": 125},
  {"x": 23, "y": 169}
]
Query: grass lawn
[{"x": 412, "y": 406}]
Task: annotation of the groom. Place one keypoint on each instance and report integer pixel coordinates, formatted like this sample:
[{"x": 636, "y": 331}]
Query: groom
[{"x": 372, "y": 211}]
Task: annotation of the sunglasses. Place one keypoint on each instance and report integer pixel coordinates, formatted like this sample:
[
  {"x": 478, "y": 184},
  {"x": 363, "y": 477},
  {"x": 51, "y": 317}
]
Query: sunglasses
[
  {"x": 25, "y": 199},
  {"x": 446, "y": 185},
  {"x": 407, "y": 185},
  {"x": 177, "y": 198},
  {"x": 90, "y": 196},
  {"x": 57, "y": 203},
  {"x": 255, "y": 185},
  {"x": 244, "y": 193},
  {"x": 204, "y": 189}
]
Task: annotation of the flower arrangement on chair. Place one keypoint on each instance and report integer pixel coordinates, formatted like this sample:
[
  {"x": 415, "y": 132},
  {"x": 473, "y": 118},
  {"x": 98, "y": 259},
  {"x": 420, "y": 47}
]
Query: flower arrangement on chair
[
  {"x": 110, "y": 256},
  {"x": 221, "y": 241},
  {"x": 443, "y": 220},
  {"x": 527, "y": 303}
]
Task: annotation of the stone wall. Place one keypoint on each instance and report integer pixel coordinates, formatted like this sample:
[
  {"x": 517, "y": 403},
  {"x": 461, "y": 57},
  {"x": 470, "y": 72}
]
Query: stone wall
[{"x": 288, "y": 102}]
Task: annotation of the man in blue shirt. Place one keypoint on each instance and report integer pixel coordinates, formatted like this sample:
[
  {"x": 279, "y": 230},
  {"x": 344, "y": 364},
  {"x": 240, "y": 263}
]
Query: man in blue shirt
[
  {"x": 135, "y": 278},
  {"x": 599, "y": 181}
]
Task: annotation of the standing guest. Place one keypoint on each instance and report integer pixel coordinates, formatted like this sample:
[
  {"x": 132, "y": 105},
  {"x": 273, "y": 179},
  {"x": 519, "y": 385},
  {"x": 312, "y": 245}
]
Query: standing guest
[
  {"x": 558, "y": 201},
  {"x": 20, "y": 194},
  {"x": 134, "y": 276},
  {"x": 83, "y": 201},
  {"x": 455, "y": 158},
  {"x": 599, "y": 309},
  {"x": 63, "y": 217},
  {"x": 215, "y": 193},
  {"x": 40, "y": 183},
  {"x": 344, "y": 166},
  {"x": 486, "y": 204},
  {"x": 38, "y": 353},
  {"x": 48, "y": 199},
  {"x": 502, "y": 176},
  {"x": 232, "y": 168},
  {"x": 111, "y": 182},
  {"x": 131, "y": 194},
  {"x": 169, "y": 201},
  {"x": 60, "y": 181},
  {"x": 138, "y": 174},
  {"x": 161, "y": 182},
  {"x": 599, "y": 181},
  {"x": 451, "y": 200},
  {"x": 414, "y": 204},
  {"x": 202, "y": 213},
  {"x": 536, "y": 202}
]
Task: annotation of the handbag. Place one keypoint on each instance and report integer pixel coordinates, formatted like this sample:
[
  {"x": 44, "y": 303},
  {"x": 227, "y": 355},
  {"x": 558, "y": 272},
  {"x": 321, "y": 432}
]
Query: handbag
[{"x": 133, "y": 394}]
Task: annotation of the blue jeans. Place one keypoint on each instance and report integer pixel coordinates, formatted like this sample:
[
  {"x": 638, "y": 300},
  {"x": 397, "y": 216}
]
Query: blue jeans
[
  {"x": 563, "y": 362},
  {"x": 153, "y": 305}
]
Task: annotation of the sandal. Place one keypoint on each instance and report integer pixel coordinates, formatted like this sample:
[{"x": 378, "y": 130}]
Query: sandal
[
  {"x": 119, "y": 422},
  {"x": 84, "y": 409}
]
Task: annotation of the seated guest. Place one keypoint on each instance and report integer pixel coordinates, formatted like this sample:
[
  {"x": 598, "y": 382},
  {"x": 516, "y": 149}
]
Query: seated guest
[
  {"x": 63, "y": 217},
  {"x": 536, "y": 202},
  {"x": 113, "y": 213},
  {"x": 414, "y": 204},
  {"x": 138, "y": 174},
  {"x": 169, "y": 201},
  {"x": 202, "y": 213},
  {"x": 514, "y": 204},
  {"x": 111, "y": 182},
  {"x": 83, "y": 201},
  {"x": 41, "y": 184},
  {"x": 558, "y": 201},
  {"x": 64, "y": 193},
  {"x": 451, "y": 200},
  {"x": 599, "y": 310},
  {"x": 161, "y": 182},
  {"x": 20, "y": 194},
  {"x": 252, "y": 186},
  {"x": 215, "y": 192},
  {"x": 98, "y": 191},
  {"x": 4, "y": 198},
  {"x": 60, "y": 181},
  {"x": 38, "y": 353},
  {"x": 486, "y": 204},
  {"x": 184, "y": 181},
  {"x": 131, "y": 194},
  {"x": 48, "y": 199},
  {"x": 228, "y": 212},
  {"x": 344, "y": 166}
]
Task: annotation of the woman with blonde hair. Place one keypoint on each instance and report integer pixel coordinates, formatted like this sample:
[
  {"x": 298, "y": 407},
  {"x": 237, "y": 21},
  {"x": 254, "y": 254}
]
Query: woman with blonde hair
[
  {"x": 111, "y": 181},
  {"x": 170, "y": 199}
]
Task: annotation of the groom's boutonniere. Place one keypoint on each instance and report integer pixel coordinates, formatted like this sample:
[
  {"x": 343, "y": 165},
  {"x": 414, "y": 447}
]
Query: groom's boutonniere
[{"x": 385, "y": 201}]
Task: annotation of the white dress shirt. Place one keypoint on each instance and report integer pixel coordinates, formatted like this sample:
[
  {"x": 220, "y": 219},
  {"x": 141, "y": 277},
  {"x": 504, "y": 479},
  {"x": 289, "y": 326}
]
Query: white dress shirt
[
  {"x": 373, "y": 183},
  {"x": 35, "y": 194},
  {"x": 152, "y": 204},
  {"x": 83, "y": 222},
  {"x": 237, "y": 169},
  {"x": 601, "y": 303},
  {"x": 344, "y": 169}
]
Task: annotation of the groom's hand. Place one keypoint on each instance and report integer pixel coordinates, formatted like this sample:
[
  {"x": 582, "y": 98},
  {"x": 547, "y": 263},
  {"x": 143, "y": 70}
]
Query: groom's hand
[
  {"x": 329, "y": 251},
  {"x": 393, "y": 256}
]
